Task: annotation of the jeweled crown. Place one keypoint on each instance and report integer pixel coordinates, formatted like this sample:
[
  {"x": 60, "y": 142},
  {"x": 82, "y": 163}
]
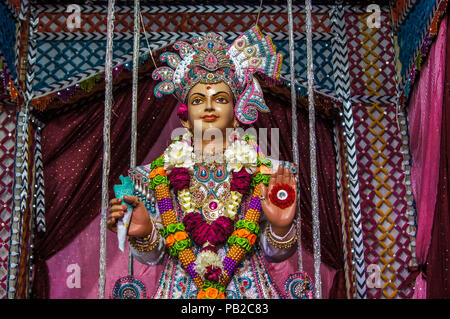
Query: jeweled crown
[{"x": 209, "y": 59}]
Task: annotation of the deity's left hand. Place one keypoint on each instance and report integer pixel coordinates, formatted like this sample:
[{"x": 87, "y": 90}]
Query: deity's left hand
[{"x": 280, "y": 218}]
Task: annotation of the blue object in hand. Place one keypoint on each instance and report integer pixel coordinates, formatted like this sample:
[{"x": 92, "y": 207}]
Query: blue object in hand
[{"x": 126, "y": 188}]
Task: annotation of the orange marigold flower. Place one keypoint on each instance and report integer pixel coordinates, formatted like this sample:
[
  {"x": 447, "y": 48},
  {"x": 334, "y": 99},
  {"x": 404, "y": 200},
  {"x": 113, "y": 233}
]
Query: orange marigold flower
[
  {"x": 243, "y": 233},
  {"x": 251, "y": 239},
  {"x": 158, "y": 171},
  {"x": 201, "y": 295},
  {"x": 170, "y": 240},
  {"x": 181, "y": 235},
  {"x": 212, "y": 293},
  {"x": 221, "y": 295}
]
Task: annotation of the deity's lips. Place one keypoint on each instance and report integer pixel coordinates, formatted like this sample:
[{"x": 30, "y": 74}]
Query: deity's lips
[{"x": 209, "y": 118}]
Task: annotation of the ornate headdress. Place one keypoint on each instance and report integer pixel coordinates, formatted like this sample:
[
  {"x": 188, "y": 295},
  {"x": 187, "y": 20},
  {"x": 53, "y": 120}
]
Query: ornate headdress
[{"x": 209, "y": 59}]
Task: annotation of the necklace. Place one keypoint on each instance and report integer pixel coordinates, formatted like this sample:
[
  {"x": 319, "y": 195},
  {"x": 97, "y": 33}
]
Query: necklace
[
  {"x": 208, "y": 271},
  {"x": 210, "y": 188}
]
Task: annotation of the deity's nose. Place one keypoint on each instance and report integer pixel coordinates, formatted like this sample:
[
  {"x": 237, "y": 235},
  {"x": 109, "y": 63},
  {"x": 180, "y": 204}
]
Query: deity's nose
[{"x": 209, "y": 105}]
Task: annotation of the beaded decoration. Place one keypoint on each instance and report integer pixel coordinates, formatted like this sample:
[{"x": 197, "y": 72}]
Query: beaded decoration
[
  {"x": 299, "y": 286},
  {"x": 129, "y": 287}
]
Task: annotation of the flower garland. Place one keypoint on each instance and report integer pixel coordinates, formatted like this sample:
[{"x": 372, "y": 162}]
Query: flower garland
[{"x": 208, "y": 271}]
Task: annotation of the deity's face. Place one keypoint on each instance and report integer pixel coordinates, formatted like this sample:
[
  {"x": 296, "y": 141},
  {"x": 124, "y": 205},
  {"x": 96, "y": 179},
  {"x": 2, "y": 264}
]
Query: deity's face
[{"x": 213, "y": 105}]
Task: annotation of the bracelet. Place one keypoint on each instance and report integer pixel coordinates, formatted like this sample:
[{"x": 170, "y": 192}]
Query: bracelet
[
  {"x": 281, "y": 244},
  {"x": 143, "y": 243}
]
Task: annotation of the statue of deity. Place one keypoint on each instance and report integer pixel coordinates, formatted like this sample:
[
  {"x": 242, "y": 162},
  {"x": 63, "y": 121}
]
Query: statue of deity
[{"x": 214, "y": 211}]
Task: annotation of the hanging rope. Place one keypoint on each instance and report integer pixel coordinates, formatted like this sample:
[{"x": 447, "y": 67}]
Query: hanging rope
[
  {"x": 146, "y": 40},
  {"x": 106, "y": 147},
  {"x": 134, "y": 101},
  {"x": 259, "y": 12},
  {"x": 312, "y": 152},
  {"x": 134, "y": 98},
  {"x": 294, "y": 128}
]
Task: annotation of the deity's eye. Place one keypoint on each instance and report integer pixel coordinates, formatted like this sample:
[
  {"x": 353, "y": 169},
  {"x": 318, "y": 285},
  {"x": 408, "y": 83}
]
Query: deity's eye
[
  {"x": 222, "y": 100},
  {"x": 196, "y": 101}
]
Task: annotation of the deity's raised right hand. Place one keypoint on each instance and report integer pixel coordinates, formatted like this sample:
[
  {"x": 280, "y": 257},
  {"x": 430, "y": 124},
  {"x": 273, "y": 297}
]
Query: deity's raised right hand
[{"x": 140, "y": 224}]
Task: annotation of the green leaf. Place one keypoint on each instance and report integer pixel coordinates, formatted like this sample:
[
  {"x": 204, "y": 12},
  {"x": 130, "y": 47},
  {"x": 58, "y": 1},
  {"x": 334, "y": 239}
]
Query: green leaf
[
  {"x": 172, "y": 228},
  {"x": 240, "y": 224},
  {"x": 247, "y": 137},
  {"x": 158, "y": 180},
  {"x": 181, "y": 245},
  {"x": 260, "y": 178},
  {"x": 251, "y": 226},
  {"x": 232, "y": 240},
  {"x": 157, "y": 163},
  {"x": 164, "y": 232}
]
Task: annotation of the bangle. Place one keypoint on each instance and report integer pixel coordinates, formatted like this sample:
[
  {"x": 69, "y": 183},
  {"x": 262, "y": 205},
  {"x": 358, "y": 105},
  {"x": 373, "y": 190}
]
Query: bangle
[
  {"x": 281, "y": 244},
  {"x": 143, "y": 243}
]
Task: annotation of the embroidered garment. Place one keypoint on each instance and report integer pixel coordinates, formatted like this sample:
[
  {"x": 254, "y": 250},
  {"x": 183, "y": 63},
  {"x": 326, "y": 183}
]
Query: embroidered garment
[{"x": 210, "y": 186}]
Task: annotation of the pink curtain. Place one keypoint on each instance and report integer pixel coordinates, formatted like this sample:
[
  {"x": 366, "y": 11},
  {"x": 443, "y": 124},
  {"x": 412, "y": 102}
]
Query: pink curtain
[
  {"x": 425, "y": 115},
  {"x": 438, "y": 276}
]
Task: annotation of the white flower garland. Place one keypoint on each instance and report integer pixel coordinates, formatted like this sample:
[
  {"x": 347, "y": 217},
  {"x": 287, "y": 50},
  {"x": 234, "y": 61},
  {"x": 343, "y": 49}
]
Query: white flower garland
[
  {"x": 205, "y": 259},
  {"x": 240, "y": 154},
  {"x": 179, "y": 154}
]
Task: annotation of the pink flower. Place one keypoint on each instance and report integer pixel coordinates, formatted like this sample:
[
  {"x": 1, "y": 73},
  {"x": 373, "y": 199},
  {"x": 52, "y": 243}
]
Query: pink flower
[
  {"x": 213, "y": 273},
  {"x": 241, "y": 181},
  {"x": 182, "y": 112},
  {"x": 201, "y": 232},
  {"x": 179, "y": 178}
]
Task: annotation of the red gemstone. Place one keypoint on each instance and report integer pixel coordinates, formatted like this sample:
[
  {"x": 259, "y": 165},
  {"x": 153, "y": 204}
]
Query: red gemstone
[{"x": 213, "y": 205}]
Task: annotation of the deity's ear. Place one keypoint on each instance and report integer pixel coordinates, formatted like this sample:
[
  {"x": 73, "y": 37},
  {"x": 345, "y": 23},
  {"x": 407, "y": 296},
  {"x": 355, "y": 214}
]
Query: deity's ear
[
  {"x": 186, "y": 124},
  {"x": 235, "y": 122}
]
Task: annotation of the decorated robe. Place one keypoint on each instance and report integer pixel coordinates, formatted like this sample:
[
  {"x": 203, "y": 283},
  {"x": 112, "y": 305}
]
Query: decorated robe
[{"x": 210, "y": 188}]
